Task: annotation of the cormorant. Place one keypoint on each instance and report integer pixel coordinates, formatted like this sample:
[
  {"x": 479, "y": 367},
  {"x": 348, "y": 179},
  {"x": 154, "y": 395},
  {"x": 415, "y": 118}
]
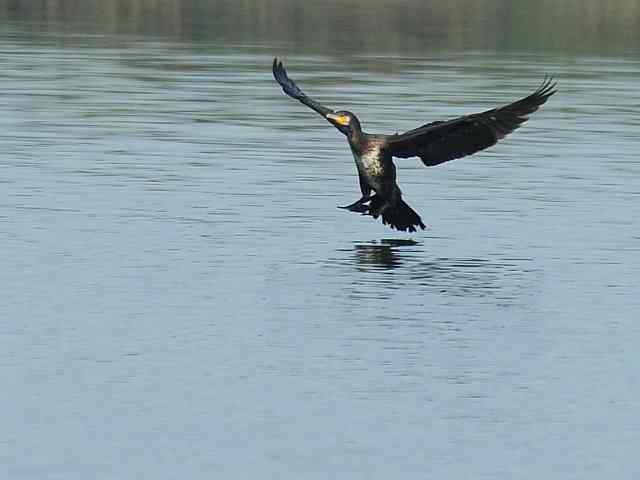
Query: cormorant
[{"x": 435, "y": 143}]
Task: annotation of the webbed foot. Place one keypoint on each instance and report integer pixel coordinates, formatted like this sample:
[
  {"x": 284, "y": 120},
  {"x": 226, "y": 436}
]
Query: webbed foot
[{"x": 358, "y": 206}]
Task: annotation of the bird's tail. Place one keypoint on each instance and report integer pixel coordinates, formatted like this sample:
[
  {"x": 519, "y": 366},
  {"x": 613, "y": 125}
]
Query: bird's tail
[{"x": 398, "y": 215}]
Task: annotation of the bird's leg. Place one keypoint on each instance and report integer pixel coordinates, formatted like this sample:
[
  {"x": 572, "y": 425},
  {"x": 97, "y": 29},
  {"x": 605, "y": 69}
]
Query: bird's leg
[
  {"x": 379, "y": 210},
  {"x": 359, "y": 206},
  {"x": 381, "y": 203}
]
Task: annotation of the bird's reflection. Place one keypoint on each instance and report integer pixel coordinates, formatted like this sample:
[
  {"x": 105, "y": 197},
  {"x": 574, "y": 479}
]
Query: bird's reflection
[
  {"x": 385, "y": 254},
  {"x": 408, "y": 263}
]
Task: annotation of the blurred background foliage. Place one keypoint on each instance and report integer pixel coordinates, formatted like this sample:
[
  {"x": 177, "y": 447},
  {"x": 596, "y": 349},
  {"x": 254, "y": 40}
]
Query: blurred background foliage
[{"x": 363, "y": 26}]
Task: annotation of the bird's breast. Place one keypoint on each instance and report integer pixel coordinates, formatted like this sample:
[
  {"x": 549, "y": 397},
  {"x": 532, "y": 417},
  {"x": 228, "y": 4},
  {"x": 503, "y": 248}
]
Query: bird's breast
[{"x": 370, "y": 162}]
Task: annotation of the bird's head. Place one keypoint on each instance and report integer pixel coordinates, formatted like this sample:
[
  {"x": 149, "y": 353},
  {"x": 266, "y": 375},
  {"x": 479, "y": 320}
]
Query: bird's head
[{"x": 345, "y": 121}]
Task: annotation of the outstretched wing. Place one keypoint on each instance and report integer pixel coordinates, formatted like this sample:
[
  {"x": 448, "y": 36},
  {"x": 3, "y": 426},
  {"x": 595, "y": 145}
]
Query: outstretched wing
[
  {"x": 439, "y": 142},
  {"x": 290, "y": 88}
]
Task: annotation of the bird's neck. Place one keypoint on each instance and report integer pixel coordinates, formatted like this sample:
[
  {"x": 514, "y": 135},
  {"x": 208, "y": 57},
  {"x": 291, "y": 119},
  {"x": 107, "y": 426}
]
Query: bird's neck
[{"x": 356, "y": 137}]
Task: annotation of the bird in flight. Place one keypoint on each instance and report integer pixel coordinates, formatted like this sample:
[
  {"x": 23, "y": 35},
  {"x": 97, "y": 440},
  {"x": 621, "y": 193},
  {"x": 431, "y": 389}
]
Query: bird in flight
[{"x": 435, "y": 143}]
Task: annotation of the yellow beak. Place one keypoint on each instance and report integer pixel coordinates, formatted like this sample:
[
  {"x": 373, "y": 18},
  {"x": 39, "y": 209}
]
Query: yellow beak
[{"x": 339, "y": 119}]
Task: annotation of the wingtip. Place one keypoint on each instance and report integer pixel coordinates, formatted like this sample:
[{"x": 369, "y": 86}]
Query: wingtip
[
  {"x": 277, "y": 68},
  {"x": 548, "y": 86}
]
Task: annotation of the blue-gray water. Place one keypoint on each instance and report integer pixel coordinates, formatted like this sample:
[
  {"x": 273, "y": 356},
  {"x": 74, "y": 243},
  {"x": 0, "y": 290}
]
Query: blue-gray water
[{"x": 182, "y": 299}]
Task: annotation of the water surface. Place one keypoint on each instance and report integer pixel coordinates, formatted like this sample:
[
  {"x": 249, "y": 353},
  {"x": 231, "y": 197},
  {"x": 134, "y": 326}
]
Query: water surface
[{"x": 183, "y": 299}]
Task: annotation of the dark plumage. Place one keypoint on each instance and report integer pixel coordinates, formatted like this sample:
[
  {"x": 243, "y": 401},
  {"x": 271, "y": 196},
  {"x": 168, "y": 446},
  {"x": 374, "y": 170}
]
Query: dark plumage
[{"x": 434, "y": 143}]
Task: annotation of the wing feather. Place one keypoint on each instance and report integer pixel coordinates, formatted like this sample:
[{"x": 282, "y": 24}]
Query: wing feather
[
  {"x": 290, "y": 88},
  {"x": 439, "y": 142}
]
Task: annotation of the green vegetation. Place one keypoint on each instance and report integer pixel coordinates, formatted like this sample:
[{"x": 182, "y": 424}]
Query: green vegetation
[{"x": 367, "y": 26}]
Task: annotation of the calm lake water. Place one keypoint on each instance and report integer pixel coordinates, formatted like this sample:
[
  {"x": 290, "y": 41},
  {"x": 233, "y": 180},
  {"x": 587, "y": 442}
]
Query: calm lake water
[{"x": 183, "y": 299}]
